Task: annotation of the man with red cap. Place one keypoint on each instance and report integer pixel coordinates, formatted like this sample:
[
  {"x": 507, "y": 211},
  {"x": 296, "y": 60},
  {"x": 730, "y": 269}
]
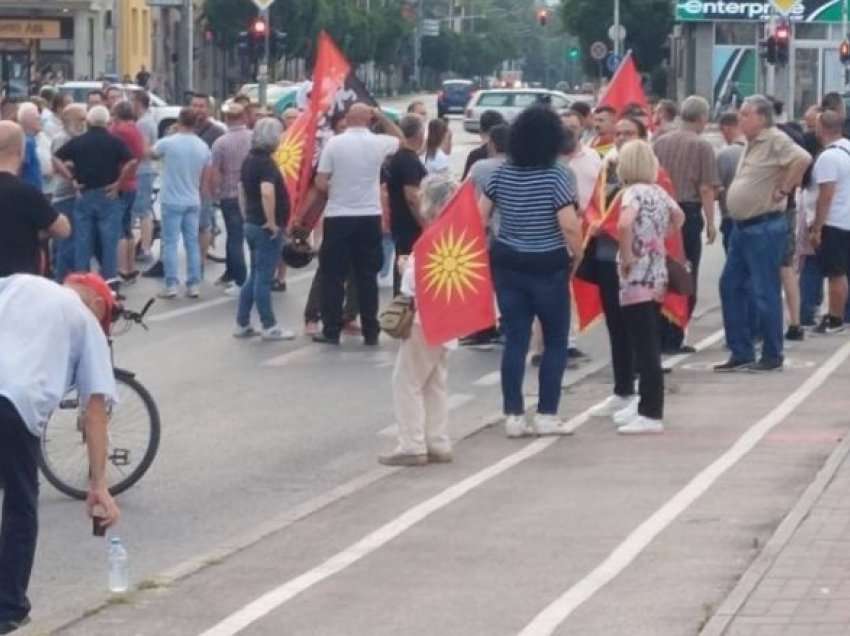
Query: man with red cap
[{"x": 53, "y": 339}]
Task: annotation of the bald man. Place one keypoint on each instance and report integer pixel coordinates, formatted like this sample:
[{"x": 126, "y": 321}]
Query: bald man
[
  {"x": 25, "y": 213},
  {"x": 349, "y": 172},
  {"x": 34, "y": 168}
]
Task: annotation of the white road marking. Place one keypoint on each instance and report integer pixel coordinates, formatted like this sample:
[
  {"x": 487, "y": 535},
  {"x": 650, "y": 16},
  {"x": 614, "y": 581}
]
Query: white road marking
[
  {"x": 291, "y": 356},
  {"x": 277, "y": 597},
  {"x": 557, "y": 612},
  {"x": 456, "y": 400},
  {"x": 214, "y": 302},
  {"x": 491, "y": 379}
]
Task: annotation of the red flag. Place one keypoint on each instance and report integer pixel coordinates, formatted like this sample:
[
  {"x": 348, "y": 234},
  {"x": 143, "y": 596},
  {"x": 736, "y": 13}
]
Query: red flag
[
  {"x": 296, "y": 153},
  {"x": 625, "y": 87},
  {"x": 586, "y": 296},
  {"x": 454, "y": 289}
]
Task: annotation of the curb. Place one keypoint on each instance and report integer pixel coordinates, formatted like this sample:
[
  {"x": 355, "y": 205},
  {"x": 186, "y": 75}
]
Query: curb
[{"x": 722, "y": 619}]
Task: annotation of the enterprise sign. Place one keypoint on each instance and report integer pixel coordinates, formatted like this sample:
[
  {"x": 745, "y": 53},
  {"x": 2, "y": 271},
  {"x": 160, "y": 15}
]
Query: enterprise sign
[{"x": 710, "y": 10}]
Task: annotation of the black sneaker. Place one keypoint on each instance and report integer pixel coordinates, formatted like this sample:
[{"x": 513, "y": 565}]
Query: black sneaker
[
  {"x": 678, "y": 351},
  {"x": 732, "y": 365},
  {"x": 795, "y": 333},
  {"x": 765, "y": 366},
  {"x": 371, "y": 340},
  {"x": 157, "y": 270},
  {"x": 829, "y": 325},
  {"x": 321, "y": 338},
  {"x": 576, "y": 353}
]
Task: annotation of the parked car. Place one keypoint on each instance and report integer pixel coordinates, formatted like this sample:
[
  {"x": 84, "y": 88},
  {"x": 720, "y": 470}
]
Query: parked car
[
  {"x": 164, "y": 115},
  {"x": 454, "y": 95},
  {"x": 510, "y": 102},
  {"x": 279, "y": 96}
]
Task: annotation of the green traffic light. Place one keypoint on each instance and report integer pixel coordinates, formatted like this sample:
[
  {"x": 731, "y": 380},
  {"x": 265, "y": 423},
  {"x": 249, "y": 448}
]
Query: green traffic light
[{"x": 573, "y": 53}]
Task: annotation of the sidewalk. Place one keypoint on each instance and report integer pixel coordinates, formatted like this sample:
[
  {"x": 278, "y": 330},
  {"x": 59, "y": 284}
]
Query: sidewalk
[{"x": 800, "y": 584}]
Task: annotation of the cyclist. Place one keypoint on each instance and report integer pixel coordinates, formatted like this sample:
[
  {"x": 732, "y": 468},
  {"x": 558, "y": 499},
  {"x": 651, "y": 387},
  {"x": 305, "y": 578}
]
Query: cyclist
[{"x": 52, "y": 337}]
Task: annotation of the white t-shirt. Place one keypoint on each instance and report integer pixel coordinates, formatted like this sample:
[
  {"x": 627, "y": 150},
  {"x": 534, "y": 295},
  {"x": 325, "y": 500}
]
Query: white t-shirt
[
  {"x": 50, "y": 343},
  {"x": 833, "y": 166},
  {"x": 353, "y": 160},
  {"x": 586, "y": 165},
  {"x": 437, "y": 164}
]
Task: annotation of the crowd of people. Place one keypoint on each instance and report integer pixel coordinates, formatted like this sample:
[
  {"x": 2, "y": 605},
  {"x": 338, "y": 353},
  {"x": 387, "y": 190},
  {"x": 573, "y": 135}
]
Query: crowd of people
[{"x": 77, "y": 191}]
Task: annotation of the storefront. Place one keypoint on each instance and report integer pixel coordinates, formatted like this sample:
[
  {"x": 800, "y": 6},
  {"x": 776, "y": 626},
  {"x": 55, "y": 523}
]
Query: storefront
[{"x": 715, "y": 52}]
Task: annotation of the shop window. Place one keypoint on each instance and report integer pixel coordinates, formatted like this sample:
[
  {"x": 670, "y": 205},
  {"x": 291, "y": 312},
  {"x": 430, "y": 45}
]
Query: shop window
[
  {"x": 740, "y": 33},
  {"x": 811, "y": 31}
]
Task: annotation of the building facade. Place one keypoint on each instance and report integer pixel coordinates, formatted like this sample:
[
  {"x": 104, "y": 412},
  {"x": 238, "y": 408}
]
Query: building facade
[
  {"x": 133, "y": 39},
  {"x": 64, "y": 39},
  {"x": 715, "y": 52}
]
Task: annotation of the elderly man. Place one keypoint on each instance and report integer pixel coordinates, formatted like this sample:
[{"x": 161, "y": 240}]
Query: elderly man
[
  {"x": 288, "y": 117},
  {"x": 692, "y": 165},
  {"x": 664, "y": 117},
  {"x": 37, "y": 164},
  {"x": 185, "y": 163},
  {"x": 65, "y": 192},
  {"x": 228, "y": 154},
  {"x": 349, "y": 172},
  {"x": 771, "y": 167},
  {"x": 24, "y": 211},
  {"x": 99, "y": 163},
  {"x": 52, "y": 339}
]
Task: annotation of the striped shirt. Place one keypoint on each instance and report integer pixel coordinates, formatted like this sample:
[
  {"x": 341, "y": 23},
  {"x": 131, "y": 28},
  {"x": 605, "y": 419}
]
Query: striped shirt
[{"x": 528, "y": 200}]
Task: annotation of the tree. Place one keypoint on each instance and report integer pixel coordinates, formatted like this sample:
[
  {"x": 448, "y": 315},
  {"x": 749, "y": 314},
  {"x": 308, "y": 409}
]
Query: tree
[{"x": 647, "y": 22}]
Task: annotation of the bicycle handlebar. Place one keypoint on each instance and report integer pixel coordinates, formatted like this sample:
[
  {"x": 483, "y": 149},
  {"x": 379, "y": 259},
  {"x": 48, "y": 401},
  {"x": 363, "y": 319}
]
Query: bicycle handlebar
[{"x": 137, "y": 317}]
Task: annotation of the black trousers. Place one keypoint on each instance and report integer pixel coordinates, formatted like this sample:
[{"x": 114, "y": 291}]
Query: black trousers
[
  {"x": 312, "y": 311},
  {"x": 19, "y": 529},
  {"x": 622, "y": 355},
  {"x": 672, "y": 336},
  {"x": 350, "y": 243},
  {"x": 642, "y": 323}
]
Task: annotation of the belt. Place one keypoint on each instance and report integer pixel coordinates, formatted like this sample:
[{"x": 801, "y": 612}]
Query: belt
[{"x": 761, "y": 218}]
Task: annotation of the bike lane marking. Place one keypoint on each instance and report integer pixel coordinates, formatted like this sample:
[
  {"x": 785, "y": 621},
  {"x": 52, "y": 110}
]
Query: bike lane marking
[
  {"x": 553, "y": 616},
  {"x": 274, "y": 599}
]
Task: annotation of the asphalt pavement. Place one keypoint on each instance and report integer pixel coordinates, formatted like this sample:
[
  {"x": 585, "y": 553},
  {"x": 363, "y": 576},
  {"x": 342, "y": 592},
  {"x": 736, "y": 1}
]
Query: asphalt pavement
[{"x": 267, "y": 513}]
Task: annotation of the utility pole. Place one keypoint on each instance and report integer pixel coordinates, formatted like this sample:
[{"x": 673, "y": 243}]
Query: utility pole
[
  {"x": 617, "y": 42},
  {"x": 770, "y": 76},
  {"x": 189, "y": 16},
  {"x": 417, "y": 46},
  {"x": 263, "y": 71},
  {"x": 844, "y": 38}
]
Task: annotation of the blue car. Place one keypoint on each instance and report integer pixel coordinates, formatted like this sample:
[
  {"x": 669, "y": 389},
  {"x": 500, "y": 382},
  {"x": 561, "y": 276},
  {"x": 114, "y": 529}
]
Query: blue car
[{"x": 454, "y": 95}]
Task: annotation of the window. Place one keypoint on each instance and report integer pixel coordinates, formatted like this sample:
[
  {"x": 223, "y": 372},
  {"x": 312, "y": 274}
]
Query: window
[
  {"x": 559, "y": 103},
  {"x": 811, "y": 31},
  {"x": 740, "y": 33},
  {"x": 524, "y": 100},
  {"x": 494, "y": 99}
]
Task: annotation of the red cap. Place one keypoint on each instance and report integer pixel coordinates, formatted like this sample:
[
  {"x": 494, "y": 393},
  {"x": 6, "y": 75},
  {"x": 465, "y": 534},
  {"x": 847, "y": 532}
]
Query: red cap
[{"x": 96, "y": 284}]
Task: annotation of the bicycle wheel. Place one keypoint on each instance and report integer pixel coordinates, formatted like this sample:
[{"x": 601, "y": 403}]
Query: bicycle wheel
[
  {"x": 217, "y": 252},
  {"x": 133, "y": 441}
]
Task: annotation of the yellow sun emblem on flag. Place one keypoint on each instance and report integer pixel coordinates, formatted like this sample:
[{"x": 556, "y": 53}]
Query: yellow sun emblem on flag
[
  {"x": 290, "y": 153},
  {"x": 452, "y": 264}
]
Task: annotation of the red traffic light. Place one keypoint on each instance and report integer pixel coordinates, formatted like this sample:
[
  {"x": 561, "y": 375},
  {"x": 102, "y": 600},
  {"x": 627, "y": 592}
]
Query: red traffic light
[
  {"x": 782, "y": 33},
  {"x": 844, "y": 52},
  {"x": 258, "y": 27},
  {"x": 543, "y": 17}
]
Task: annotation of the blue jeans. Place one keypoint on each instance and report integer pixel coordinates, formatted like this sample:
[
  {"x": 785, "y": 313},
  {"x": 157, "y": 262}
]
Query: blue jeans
[
  {"x": 63, "y": 249},
  {"x": 811, "y": 289},
  {"x": 752, "y": 270},
  {"x": 143, "y": 205},
  {"x": 177, "y": 220},
  {"x": 235, "y": 247},
  {"x": 97, "y": 213},
  {"x": 264, "y": 251},
  {"x": 523, "y": 296}
]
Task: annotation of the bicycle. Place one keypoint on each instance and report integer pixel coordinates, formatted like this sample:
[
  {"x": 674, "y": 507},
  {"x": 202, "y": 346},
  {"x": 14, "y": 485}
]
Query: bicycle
[{"x": 133, "y": 436}]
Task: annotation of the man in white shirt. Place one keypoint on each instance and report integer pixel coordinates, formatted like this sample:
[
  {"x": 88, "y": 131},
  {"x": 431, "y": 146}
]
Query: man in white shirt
[
  {"x": 349, "y": 172},
  {"x": 830, "y": 233},
  {"x": 51, "y": 341}
]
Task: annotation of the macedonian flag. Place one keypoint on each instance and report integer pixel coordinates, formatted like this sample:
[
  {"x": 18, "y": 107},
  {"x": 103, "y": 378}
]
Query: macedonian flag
[{"x": 454, "y": 289}]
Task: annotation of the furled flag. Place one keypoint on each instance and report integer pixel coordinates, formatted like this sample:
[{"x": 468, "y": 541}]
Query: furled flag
[
  {"x": 602, "y": 217},
  {"x": 296, "y": 152},
  {"x": 625, "y": 87},
  {"x": 454, "y": 289}
]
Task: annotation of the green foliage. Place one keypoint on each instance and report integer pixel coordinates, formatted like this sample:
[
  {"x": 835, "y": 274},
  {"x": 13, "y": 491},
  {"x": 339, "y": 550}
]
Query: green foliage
[{"x": 647, "y": 22}]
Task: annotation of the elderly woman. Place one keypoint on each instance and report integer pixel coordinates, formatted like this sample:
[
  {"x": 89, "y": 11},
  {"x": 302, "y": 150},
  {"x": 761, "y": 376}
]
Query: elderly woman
[
  {"x": 265, "y": 204},
  {"x": 65, "y": 194},
  {"x": 534, "y": 251},
  {"x": 420, "y": 391}
]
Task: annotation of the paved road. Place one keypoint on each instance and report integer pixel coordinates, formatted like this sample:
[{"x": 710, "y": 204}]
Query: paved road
[{"x": 279, "y": 441}]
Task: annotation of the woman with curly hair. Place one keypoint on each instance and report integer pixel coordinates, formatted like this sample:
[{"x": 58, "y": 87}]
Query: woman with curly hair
[{"x": 533, "y": 254}]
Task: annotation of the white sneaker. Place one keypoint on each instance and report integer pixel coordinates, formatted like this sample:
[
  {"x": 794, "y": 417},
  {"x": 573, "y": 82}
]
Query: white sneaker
[
  {"x": 516, "y": 426},
  {"x": 627, "y": 413},
  {"x": 278, "y": 333},
  {"x": 611, "y": 405},
  {"x": 245, "y": 332},
  {"x": 550, "y": 425},
  {"x": 641, "y": 425},
  {"x": 193, "y": 292},
  {"x": 233, "y": 290},
  {"x": 168, "y": 292}
]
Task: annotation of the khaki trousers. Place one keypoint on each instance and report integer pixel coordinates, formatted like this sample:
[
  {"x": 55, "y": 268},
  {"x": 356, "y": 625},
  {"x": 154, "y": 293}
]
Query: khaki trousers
[{"x": 420, "y": 395}]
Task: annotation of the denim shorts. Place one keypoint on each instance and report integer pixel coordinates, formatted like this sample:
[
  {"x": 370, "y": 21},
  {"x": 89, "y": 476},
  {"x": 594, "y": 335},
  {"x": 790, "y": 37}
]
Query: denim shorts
[
  {"x": 143, "y": 206},
  {"x": 791, "y": 238},
  {"x": 128, "y": 204}
]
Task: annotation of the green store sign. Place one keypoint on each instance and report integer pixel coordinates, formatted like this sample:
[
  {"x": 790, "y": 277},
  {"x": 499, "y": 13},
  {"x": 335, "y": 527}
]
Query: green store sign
[{"x": 711, "y": 10}]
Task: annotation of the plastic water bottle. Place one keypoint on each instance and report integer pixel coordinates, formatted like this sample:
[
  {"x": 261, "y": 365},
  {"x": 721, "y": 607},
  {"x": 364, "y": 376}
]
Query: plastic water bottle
[{"x": 119, "y": 571}]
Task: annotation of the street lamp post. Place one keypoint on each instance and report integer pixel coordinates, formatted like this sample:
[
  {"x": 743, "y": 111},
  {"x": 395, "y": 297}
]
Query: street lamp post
[{"x": 617, "y": 28}]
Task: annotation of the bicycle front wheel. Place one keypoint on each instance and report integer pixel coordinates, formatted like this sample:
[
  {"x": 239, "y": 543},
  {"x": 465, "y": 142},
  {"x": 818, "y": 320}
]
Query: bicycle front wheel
[{"x": 133, "y": 441}]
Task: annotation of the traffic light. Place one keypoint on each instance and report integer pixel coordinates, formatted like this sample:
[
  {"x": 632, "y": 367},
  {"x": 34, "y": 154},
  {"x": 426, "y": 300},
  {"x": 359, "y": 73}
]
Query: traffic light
[
  {"x": 573, "y": 53},
  {"x": 782, "y": 35},
  {"x": 844, "y": 52},
  {"x": 770, "y": 50},
  {"x": 543, "y": 17},
  {"x": 277, "y": 44}
]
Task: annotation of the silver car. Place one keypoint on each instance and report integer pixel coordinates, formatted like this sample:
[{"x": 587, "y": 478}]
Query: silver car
[{"x": 510, "y": 102}]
